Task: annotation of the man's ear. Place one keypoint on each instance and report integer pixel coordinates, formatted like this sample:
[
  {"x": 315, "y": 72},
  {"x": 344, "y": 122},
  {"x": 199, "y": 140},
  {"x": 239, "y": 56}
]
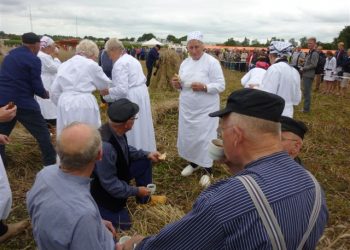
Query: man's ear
[
  {"x": 99, "y": 154},
  {"x": 237, "y": 134},
  {"x": 297, "y": 146}
]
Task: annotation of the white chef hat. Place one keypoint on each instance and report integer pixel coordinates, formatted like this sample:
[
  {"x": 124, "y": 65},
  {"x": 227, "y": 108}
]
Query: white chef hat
[
  {"x": 195, "y": 35},
  {"x": 46, "y": 41}
]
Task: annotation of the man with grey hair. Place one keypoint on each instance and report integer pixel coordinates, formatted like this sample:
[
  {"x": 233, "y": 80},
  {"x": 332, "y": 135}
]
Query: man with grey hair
[
  {"x": 63, "y": 213},
  {"x": 308, "y": 71},
  {"x": 259, "y": 207}
]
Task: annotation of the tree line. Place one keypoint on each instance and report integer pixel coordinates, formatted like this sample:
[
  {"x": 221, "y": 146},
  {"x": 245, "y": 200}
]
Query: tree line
[{"x": 344, "y": 36}]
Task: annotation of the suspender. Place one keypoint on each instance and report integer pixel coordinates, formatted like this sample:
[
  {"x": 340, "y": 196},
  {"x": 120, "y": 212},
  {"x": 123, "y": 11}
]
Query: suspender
[{"x": 269, "y": 219}]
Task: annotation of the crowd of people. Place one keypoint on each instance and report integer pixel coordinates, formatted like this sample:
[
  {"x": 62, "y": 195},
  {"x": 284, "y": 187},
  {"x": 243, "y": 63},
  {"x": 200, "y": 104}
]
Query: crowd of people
[{"x": 79, "y": 198}]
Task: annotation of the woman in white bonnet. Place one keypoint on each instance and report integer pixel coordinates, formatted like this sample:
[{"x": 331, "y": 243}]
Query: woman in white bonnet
[
  {"x": 49, "y": 67},
  {"x": 200, "y": 82}
]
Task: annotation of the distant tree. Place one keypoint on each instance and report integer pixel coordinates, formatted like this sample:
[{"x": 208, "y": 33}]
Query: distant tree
[
  {"x": 146, "y": 37},
  {"x": 293, "y": 42},
  {"x": 245, "y": 42},
  {"x": 184, "y": 38},
  {"x": 255, "y": 43},
  {"x": 231, "y": 42},
  {"x": 303, "y": 42},
  {"x": 132, "y": 39},
  {"x": 344, "y": 36},
  {"x": 328, "y": 46},
  {"x": 172, "y": 38}
]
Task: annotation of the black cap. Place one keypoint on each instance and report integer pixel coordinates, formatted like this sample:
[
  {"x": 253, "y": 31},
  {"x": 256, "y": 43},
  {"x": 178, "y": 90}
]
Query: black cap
[
  {"x": 253, "y": 102},
  {"x": 122, "y": 110},
  {"x": 30, "y": 38},
  {"x": 294, "y": 126}
]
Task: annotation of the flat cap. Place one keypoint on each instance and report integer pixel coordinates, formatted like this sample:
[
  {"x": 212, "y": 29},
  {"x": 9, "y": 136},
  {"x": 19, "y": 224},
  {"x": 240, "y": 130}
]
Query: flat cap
[
  {"x": 122, "y": 110},
  {"x": 255, "y": 103},
  {"x": 294, "y": 126},
  {"x": 30, "y": 38}
]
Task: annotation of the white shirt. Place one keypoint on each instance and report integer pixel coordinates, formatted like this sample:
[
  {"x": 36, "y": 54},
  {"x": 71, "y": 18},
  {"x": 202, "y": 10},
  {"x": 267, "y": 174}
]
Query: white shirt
[
  {"x": 5, "y": 193},
  {"x": 253, "y": 76},
  {"x": 283, "y": 80}
]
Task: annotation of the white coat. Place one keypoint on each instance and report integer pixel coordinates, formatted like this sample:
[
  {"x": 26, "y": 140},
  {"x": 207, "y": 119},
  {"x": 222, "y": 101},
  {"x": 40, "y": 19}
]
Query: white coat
[
  {"x": 330, "y": 69},
  {"x": 128, "y": 81},
  {"x": 196, "y": 128},
  {"x": 253, "y": 76},
  {"x": 49, "y": 67},
  {"x": 72, "y": 91},
  {"x": 283, "y": 80},
  {"x": 5, "y": 193}
]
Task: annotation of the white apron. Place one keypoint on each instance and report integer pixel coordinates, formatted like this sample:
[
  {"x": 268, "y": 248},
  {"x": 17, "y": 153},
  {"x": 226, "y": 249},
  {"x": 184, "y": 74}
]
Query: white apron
[
  {"x": 49, "y": 67},
  {"x": 5, "y": 193},
  {"x": 141, "y": 136},
  {"x": 196, "y": 128},
  {"x": 77, "y": 107}
]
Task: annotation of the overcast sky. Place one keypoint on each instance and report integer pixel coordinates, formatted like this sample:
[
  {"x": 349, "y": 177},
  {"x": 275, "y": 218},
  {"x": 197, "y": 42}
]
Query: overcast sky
[{"x": 218, "y": 20}]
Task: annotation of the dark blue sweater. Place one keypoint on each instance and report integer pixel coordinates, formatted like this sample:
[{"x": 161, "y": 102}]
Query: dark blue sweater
[
  {"x": 20, "y": 79},
  {"x": 153, "y": 56}
]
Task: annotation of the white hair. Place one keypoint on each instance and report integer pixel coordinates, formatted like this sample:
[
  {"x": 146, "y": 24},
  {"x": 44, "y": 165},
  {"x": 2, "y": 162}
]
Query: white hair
[
  {"x": 87, "y": 48},
  {"x": 113, "y": 43}
]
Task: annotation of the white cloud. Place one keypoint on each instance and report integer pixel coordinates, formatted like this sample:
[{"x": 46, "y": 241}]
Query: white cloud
[{"x": 218, "y": 20}]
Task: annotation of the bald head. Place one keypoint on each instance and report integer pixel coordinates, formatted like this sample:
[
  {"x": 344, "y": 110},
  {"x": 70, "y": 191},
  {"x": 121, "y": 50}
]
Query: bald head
[{"x": 78, "y": 145}]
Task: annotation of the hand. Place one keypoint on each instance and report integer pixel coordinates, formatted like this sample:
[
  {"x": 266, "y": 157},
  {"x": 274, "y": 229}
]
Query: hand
[
  {"x": 197, "y": 86},
  {"x": 110, "y": 227},
  {"x": 7, "y": 114},
  {"x": 129, "y": 245},
  {"x": 104, "y": 92},
  {"x": 154, "y": 156},
  {"x": 175, "y": 81},
  {"x": 4, "y": 139},
  {"x": 143, "y": 191}
]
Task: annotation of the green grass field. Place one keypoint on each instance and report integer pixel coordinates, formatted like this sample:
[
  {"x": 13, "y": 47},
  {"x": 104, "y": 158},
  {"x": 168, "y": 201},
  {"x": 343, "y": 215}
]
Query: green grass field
[{"x": 325, "y": 154}]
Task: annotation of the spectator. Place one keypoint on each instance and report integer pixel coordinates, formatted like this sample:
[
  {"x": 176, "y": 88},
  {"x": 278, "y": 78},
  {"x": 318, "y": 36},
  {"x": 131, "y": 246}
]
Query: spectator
[
  {"x": 340, "y": 55},
  {"x": 72, "y": 89},
  {"x": 308, "y": 71},
  {"x": 152, "y": 57},
  {"x": 346, "y": 74},
  {"x": 297, "y": 58},
  {"x": 254, "y": 77},
  {"x": 228, "y": 215},
  {"x": 320, "y": 68},
  {"x": 119, "y": 165},
  {"x": 200, "y": 81},
  {"x": 20, "y": 80},
  {"x": 330, "y": 71},
  {"x": 63, "y": 213}
]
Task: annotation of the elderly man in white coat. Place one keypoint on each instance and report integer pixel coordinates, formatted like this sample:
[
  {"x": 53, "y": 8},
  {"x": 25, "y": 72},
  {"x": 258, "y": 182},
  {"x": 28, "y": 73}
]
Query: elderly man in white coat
[
  {"x": 128, "y": 81},
  {"x": 72, "y": 88},
  {"x": 200, "y": 81},
  {"x": 49, "y": 67},
  {"x": 281, "y": 78}
]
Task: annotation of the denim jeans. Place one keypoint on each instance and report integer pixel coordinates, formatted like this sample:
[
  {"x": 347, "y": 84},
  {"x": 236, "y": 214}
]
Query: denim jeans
[
  {"x": 307, "y": 85},
  {"x": 34, "y": 122}
]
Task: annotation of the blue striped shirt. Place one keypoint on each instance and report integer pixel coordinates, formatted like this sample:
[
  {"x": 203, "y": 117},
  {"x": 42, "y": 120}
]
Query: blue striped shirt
[{"x": 224, "y": 216}]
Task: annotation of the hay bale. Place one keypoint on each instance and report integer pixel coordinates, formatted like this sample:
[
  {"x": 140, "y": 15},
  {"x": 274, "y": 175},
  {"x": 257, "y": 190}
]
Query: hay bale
[
  {"x": 168, "y": 65},
  {"x": 148, "y": 220}
]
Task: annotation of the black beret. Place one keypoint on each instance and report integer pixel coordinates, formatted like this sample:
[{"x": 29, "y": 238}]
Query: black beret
[
  {"x": 30, "y": 38},
  {"x": 294, "y": 126},
  {"x": 122, "y": 110},
  {"x": 253, "y": 102}
]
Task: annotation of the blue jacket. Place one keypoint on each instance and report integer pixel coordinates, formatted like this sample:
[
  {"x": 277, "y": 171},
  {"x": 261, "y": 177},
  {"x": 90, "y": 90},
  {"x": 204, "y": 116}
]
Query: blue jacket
[
  {"x": 153, "y": 56},
  {"x": 20, "y": 79}
]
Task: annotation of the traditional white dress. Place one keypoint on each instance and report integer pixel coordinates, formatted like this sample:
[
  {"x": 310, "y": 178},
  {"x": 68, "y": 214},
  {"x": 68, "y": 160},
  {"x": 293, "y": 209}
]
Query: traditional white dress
[
  {"x": 49, "y": 67},
  {"x": 253, "y": 76},
  {"x": 283, "y": 80},
  {"x": 128, "y": 81},
  {"x": 5, "y": 193},
  {"x": 72, "y": 91},
  {"x": 196, "y": 128},
  {"x": 330, "y": 69}
]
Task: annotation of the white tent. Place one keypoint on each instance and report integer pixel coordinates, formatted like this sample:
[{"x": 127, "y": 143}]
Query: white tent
[{"x": 152, "y": 42}]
